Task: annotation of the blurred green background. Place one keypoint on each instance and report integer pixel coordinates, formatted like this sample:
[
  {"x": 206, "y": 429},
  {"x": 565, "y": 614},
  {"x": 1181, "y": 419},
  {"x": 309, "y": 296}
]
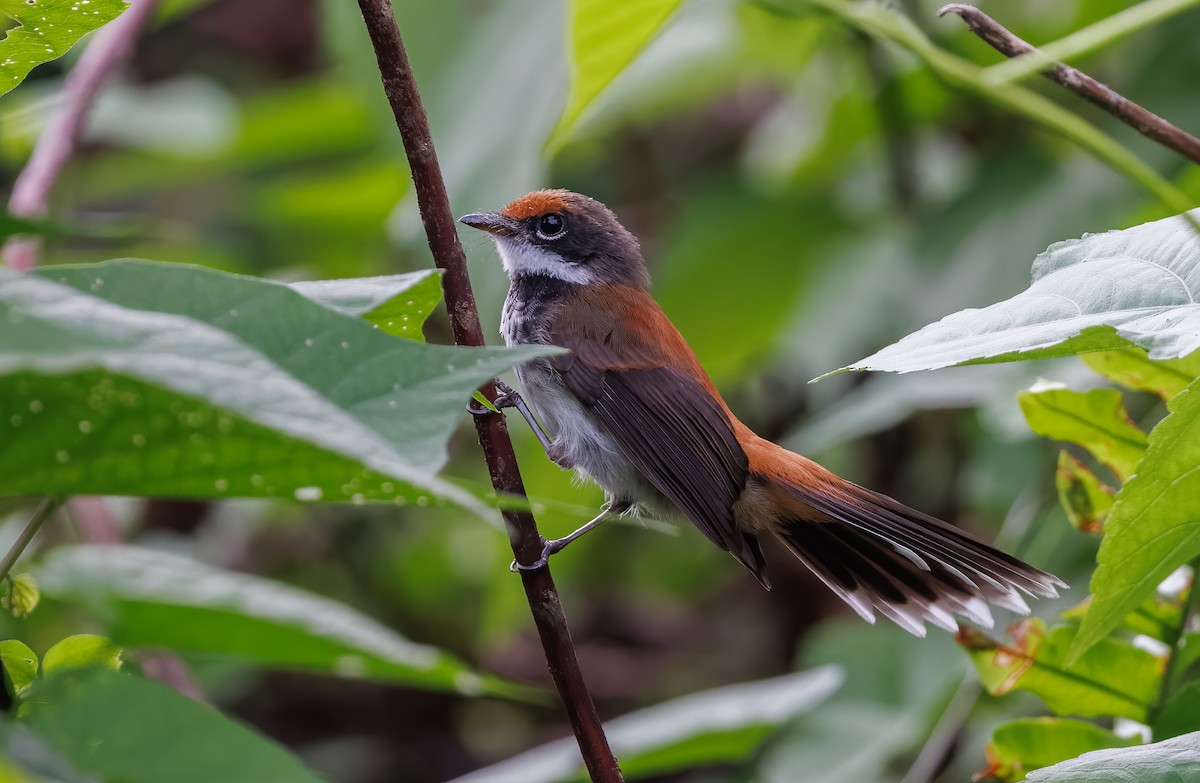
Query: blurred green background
[{"x": 804, "y": 196}]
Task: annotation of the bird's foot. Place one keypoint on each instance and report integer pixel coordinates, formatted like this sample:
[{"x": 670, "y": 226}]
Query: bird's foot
[
  {"x": 506, "y": 397},
  {"x": 549, "y": 547}
]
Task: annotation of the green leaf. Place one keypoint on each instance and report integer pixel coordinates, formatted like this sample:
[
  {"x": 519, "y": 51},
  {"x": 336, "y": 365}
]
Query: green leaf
[
  {"x": 20, "y": 667},
  {"x": 134, "y": 378},
  {"x": 160, "y": 600},
  {"x": 1133, "y": 369},
  {"x": 1156, "y": 617},
  {"x": 605, "y": 38},
  {"x": 719, "y": 726},
  {"x": 1173, "y": 761},
  {"x": 120, "y": 727},
  {"x": 1031, "y": 743},
  {"x": 396, "y": 304},
  {"x": 1180, "y": 714},
  {"x": 82, "y": 651},
  {"x": 1095, "y": 419},
  {"x": 48, "y": 29},
  {"x": 1084, "y": 497},
  {"x": 1113, "y": 678},
  {"x": 21, "y": 596},
  {"x": 1154, "y": 526},
  {"x": 1101, "y": 292}
]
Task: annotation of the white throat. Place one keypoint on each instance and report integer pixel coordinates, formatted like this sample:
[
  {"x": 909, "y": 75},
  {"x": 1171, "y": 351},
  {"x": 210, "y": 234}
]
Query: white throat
[{"x": 521, "y": 258}]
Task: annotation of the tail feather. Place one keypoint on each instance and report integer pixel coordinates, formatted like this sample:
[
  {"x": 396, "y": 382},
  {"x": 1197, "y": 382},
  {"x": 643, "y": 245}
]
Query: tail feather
[{"x": 880, "y": 556}]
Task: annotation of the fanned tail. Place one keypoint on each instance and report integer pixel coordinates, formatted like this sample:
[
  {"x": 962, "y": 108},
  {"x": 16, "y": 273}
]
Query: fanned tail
[{"x": 881, "y": 556}]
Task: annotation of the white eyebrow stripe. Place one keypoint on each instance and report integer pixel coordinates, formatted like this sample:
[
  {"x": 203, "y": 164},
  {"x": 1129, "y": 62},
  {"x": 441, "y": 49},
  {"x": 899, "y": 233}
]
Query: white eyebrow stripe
[{"x": 522, "y": 258}]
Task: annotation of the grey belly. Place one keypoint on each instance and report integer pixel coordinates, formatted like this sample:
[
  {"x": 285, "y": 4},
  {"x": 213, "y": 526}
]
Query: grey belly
[{"x": 590, "y": 452}]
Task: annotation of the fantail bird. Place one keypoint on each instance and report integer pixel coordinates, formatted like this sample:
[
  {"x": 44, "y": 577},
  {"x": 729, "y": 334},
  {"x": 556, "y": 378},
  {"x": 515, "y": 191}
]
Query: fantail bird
[{"x": 630, "y": 407}]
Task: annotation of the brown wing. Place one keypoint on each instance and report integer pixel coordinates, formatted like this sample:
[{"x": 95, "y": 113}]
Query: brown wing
[{"x": 666, "y": 421}]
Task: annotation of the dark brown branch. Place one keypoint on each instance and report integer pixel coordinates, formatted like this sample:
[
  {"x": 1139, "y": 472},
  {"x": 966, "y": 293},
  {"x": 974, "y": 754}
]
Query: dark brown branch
[
  {"x": 1144, "y": 122},
  {"x": 400, "y": 86}
]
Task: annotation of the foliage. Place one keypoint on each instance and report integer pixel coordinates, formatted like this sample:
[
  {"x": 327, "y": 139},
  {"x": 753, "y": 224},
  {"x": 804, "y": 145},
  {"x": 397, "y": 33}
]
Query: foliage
[
  {"x": 46, "y": 30},
  {"x": 1152, "y": 529},
  {"x": 154, "y": 600},
  {"x": 718, "y": 726},
  {"x": 97, "y": 720},
  {"x": 1173, "y": 759},
  {"x": 133, "y": 378},
  {"x": 808, "y": 180},
  {"x": 1101, "y": 292}
]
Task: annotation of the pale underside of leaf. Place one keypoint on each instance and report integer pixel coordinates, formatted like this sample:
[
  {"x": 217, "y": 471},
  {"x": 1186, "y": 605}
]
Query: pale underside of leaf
[
  {"x": 154, "y": 598},
  {"x": 218, "y": 385},
  {"x": 693, "y": 719},
  {"x": 1139, "y": 286},
  {"x": 1175, "y": 759}
]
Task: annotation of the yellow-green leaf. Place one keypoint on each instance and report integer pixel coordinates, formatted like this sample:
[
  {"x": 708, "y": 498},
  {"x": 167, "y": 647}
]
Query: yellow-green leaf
[
  {"x": 1134, "y": 369},
  {"x": 1031, "y": 743},
  {"x": 20, "y": 666},
  {"x": 80, "y": 652},
  {"x": 22, "y": 595},
  {"x": 604, "y": 38},
  {"x": 1112, "y": 678},
  {"x": 1084, "y": 497},
  {"x": 47, "y": 31},
  {"x": 1095, "y": 419},
  {"x": 1154, "y": 526}
]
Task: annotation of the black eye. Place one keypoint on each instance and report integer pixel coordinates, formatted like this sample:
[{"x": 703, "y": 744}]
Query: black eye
[{"x": 551, "y": 225}]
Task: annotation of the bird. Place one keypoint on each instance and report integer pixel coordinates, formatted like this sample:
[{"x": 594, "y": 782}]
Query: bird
[{"x": 629, "y": 406}]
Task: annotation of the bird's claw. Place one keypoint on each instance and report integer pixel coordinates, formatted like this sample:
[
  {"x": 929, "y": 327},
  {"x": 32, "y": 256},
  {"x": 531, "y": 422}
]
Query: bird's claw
[
  {"x": 548, "y": 548},
  {"x": 506, "y": 397}
]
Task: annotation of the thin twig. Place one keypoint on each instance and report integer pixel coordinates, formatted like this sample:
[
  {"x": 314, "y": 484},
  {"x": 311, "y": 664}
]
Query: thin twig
[
  {"x": 56, "y": 145},
  {"x": 400, "y": 86},
  {"x": 1143, "y": 121},
  {"x": 47, "y": 507}
]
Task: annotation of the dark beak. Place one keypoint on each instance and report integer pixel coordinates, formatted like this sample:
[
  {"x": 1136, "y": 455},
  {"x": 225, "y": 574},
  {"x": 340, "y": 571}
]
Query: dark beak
[{"x": 491, "y": 222}]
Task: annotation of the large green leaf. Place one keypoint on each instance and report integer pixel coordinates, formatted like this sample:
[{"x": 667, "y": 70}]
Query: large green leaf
[
  {"x": 1113, "y": 678},
  {"x": 722, "y": 725},
  {"x": 160, "y": 600},
  {"x": 1173, "y": 761},
  {"x": 1154, "y": 526},
  {"x": 605, "y": 37},
  {"x": 137, "y": 378},
  {"x": 48, "y": 29},
  {"x": 1030, "y": 743},
  {"x": 1101, "y": 292},
  {"x": 120, "y": 727},
  {"x": 1095, "y": 419}
]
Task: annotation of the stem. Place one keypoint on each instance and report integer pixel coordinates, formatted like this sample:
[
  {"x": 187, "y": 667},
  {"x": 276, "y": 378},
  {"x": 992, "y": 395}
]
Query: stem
[
  {"x": 1140, "y": 119},
  {"x": 1169, "y": 670},
  {"x": 48, "y": 506},
  {"x": 56, "y": 145},
  {"x": 400, "y": 86}
]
